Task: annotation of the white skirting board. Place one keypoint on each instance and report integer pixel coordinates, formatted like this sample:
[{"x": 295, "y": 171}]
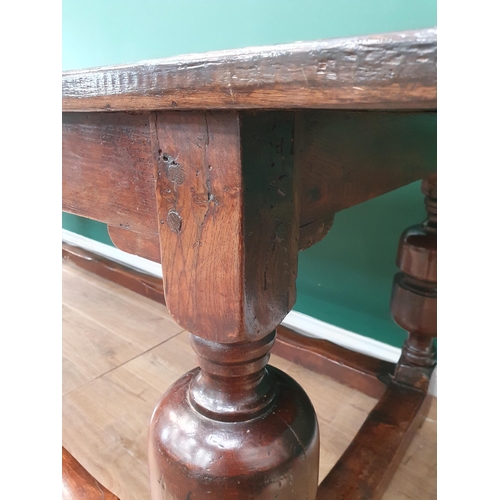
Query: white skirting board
[
  {"x": 113, "y": 253},
  {"x": 301, "y": 323}
]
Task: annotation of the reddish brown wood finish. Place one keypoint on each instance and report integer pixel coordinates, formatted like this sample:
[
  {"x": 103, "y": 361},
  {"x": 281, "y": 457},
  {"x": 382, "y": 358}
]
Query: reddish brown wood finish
[
  {"x": 389, "y": 71},
  {"x": 414, "y": 296},
  {"x": 199, "y": 204},
  {"x": 227, "y": 199},
  {"x": 221, "y": 192},
  {"x": 367, "y": 375},
  {"x": 143, "y": 245},
  {"x": 108, "y": 169},
  {"x": 348, "y": 157},
  {"x": 234, "y": 429},
  {"x": 78, "y": 484},
  {"x": 228, "y": 221},
  {"x": 344, "y": 158},
  {"x": 366, "y": 468}
]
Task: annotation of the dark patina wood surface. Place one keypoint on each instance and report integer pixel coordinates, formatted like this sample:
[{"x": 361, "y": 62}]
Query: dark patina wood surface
[
  {"x": 229, "y": 226},
  {"x": 359, "y": 371},
  {"x": 187, "y": 172},
  {"x": 366, "y": 468},
  {"x": 369, "y": 463},
  {"x": 414, "y": 294},
  {"x": 256, "y": 430},
  {"x": 342, "y": 158},
  {"x": 78, "y": 484},
  {"x": 390, "y": 71},
  {"x": 228, "y": 232},
  {"x": 108, "y": 170}
]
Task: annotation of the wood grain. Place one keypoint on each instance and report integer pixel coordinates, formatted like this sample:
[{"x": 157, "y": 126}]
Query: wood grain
[
  {"x": 113, "y": 449},
  {"x": 367, "y": 466},
  {"x": 227, "y": 196},
  {"x": 74, "y": 376},
  {"x": 414, "y": 294},
  {"x": 107, "y": 170},
  {"x": 134, "y": 280},
  {"x": 389, "y": 71},
  {"x": 361, "y": 372},
  {"x": 343, "y": 157},
  {"x": 348, "y": 157},
  {"x": 93, "y": 349},
  {"x": 144, "y": 325},
  {"x": 199, "y": 197},
  {"x": 143, "y": 245},
  {"x": 228, "y": 221},
  {"x": 234, "y": 428},
  {"x": 271, "y": 218},
  {"x": 78, "y": 484},
  {"x": 103, "y": 456},
  {"x": 355, "y": 370}
]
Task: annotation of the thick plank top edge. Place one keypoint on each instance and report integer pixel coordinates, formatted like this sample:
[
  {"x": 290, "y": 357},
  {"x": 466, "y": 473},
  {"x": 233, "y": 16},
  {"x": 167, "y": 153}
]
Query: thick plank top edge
[{"x": 388, "y": 71}]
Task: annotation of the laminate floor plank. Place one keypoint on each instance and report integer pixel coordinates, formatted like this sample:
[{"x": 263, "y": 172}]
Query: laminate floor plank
[
  {"x": 113, "y": 396},
  {"x": 124, "y": 293},
  {"x": 135, "y": 322},
  {"x": 73, "y": 376},
  {"x": 103, "y": 457},
  {"x": 91, "y": 347},
  {"x": 114, "y": 374},
  {"x": 164, "y": 364}
]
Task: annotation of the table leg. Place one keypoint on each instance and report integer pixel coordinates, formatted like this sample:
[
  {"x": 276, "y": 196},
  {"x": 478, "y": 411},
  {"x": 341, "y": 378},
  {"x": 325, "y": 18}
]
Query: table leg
[
  {"x": 227, "y": 196},
  {"x": 414, "y": 297},
  {"x": 234, "y": 429},
  {"x": 367, "y": 466}
]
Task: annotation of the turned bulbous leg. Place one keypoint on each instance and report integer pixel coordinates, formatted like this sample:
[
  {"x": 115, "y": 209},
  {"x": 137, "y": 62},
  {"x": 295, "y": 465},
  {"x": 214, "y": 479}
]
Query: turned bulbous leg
[
  {"x": 234, "y": 429},
  {"x": 414, "y": 294},
  {"x": 227, "y": 193}
]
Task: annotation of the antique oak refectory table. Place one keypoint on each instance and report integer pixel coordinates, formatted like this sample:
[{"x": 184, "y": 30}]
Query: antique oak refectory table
[{"x": 221, "y": 167}]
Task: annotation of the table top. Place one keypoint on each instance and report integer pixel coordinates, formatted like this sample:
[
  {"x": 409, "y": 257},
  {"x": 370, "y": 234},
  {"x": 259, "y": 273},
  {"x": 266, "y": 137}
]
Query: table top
[
  {"x": 324, "y": 86},
  {"x": 389, "y": 71},
  {"x": 223, "y": 166}
]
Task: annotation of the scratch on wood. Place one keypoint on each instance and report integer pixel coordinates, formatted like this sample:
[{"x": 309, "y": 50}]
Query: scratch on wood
[{"x": 304, "y": 73}]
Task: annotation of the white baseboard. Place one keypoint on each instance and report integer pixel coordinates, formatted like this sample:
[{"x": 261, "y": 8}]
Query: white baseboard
[
  {"x": 301, "y": 323},
  {"x": 312, "y": 327},
  {"x": 113, "y": 253}
]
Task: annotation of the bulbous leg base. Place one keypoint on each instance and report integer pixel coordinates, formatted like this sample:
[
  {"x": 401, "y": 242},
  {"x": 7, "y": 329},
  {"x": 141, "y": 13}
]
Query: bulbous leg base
[{"x": 274, "y": 455}]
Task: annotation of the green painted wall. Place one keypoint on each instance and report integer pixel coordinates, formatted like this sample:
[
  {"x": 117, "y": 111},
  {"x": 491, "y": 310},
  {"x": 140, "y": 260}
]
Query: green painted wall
[{"x": 345, "y": 279}]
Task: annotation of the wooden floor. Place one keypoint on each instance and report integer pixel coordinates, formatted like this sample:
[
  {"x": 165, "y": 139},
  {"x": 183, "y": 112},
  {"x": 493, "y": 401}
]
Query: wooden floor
[{"x": 121, "y": 351}]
